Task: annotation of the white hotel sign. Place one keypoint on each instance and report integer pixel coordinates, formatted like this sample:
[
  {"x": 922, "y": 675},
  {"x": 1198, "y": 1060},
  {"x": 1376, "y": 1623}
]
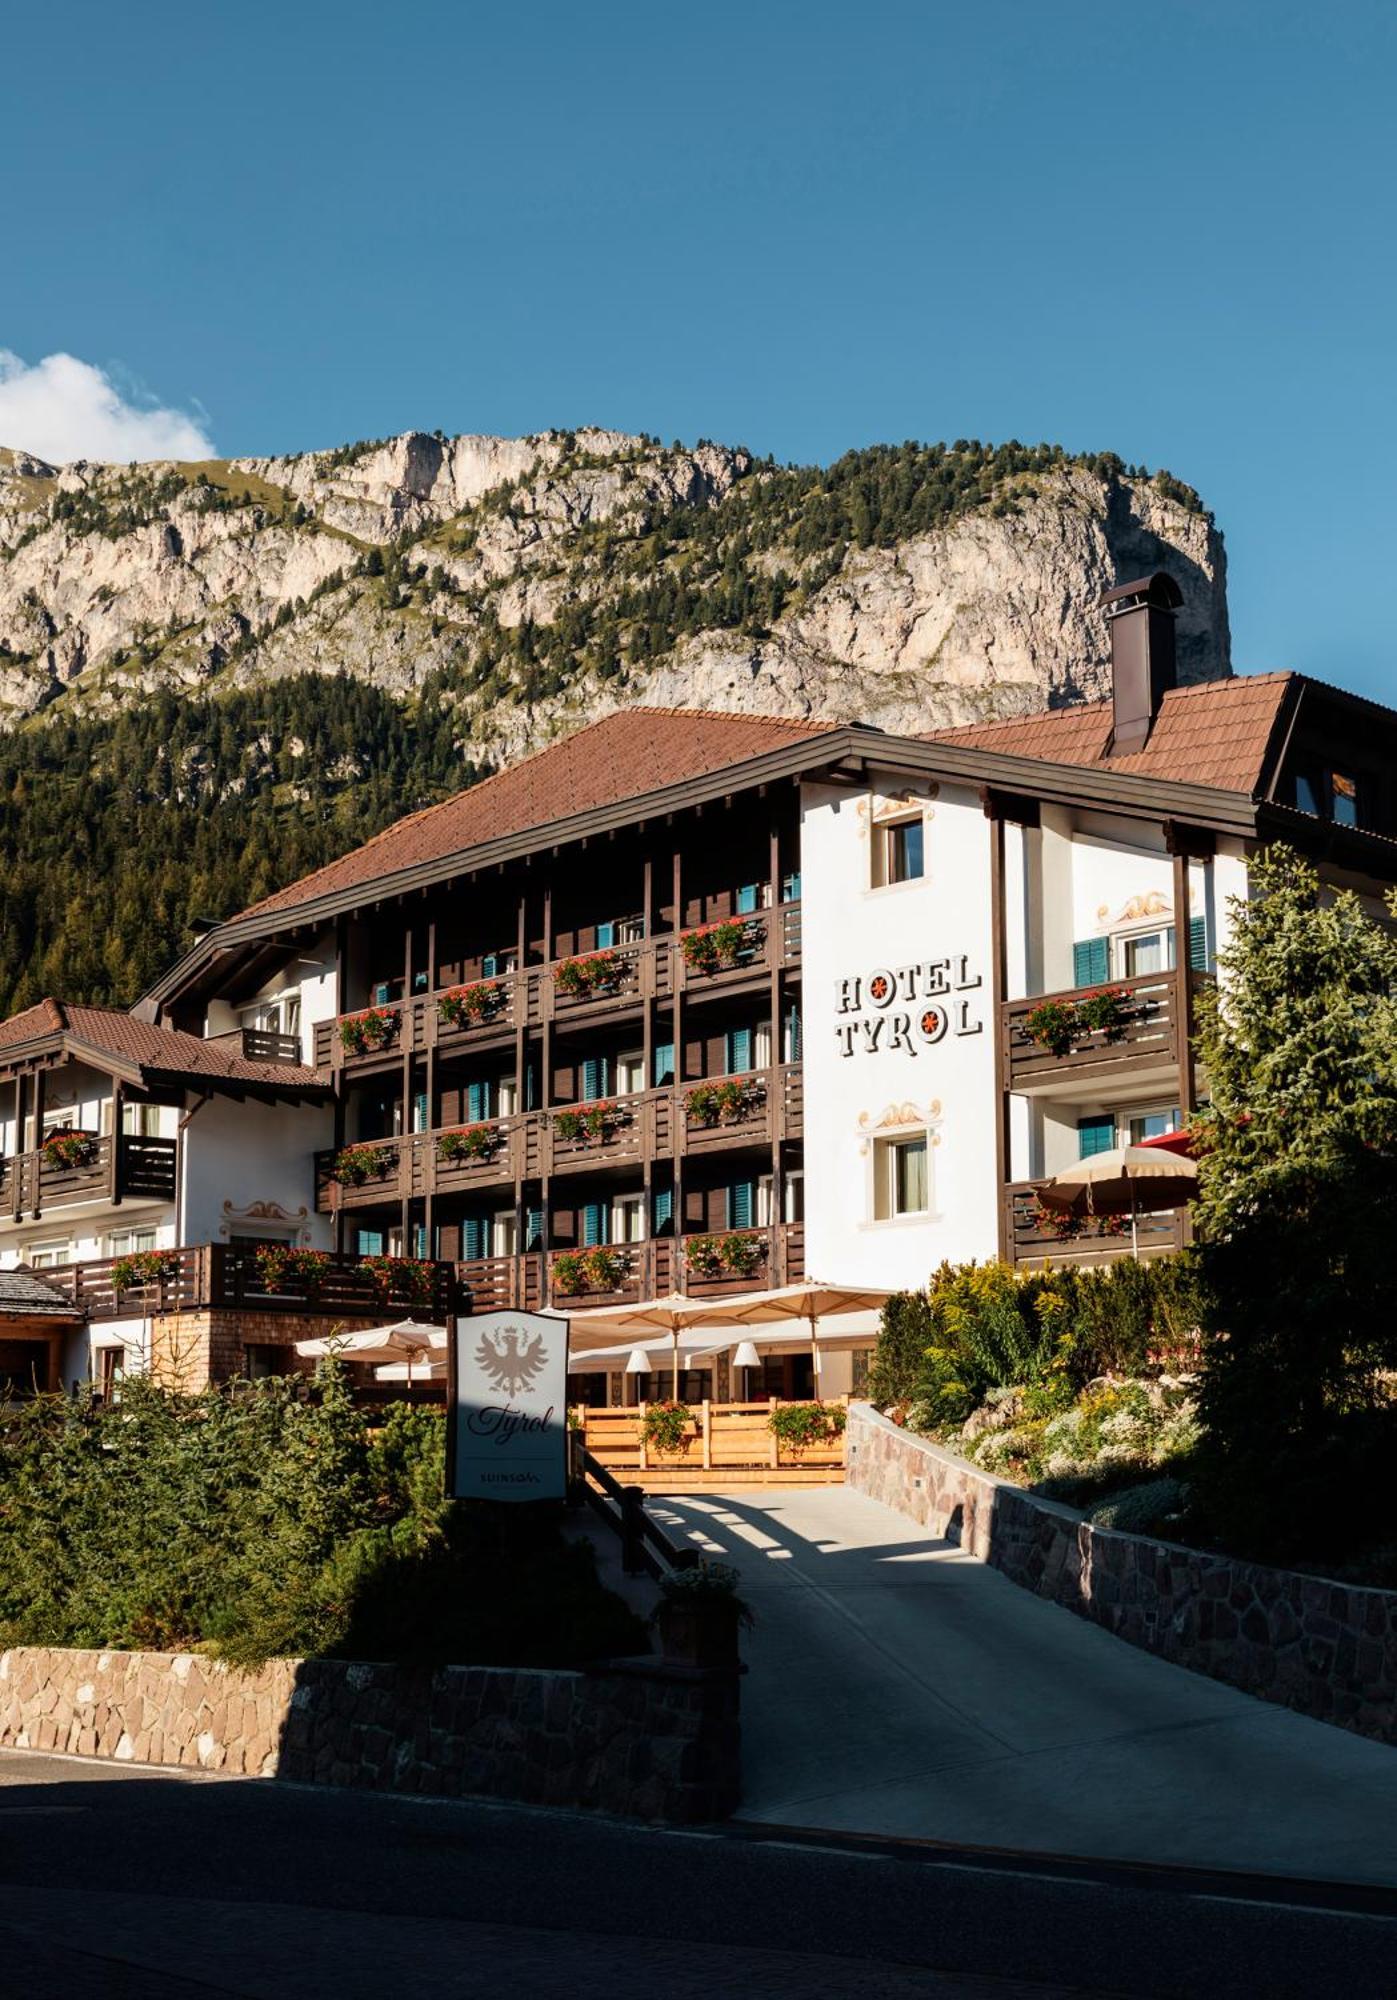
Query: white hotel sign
[
  {"x": 907, "y": 1007},
  {"x": 508, "y": 1438}
]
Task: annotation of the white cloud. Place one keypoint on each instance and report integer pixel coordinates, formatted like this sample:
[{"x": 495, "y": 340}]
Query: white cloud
[{"x": 61, "y": 408}]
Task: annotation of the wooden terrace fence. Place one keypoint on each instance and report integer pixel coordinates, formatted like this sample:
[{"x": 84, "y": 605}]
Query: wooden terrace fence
[{"x": 726, "y": 1444}]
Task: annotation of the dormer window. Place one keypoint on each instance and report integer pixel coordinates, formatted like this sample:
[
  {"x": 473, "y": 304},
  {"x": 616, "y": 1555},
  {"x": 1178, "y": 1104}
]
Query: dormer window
[{"x": 1329, "y": 794}]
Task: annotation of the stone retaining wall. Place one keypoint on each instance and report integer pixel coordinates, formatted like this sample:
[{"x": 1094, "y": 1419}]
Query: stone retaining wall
[
  {"x": 646, "y": 1737},
  {"x": 1328, "y": 1649}
]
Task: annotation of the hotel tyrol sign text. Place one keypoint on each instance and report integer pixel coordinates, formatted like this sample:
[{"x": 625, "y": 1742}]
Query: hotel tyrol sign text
[
  {"x": 508, "y": 1407},
  {"x": 908, "y": 1007}
]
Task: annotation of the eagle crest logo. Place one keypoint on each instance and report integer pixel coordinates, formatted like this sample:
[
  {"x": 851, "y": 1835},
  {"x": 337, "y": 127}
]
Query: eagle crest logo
[{"x": 511, "y": 1362}]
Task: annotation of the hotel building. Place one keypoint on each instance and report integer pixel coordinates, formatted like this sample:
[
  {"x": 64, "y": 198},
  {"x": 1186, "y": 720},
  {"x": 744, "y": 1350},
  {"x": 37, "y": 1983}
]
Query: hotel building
[{"x": 688, "y": 1001}]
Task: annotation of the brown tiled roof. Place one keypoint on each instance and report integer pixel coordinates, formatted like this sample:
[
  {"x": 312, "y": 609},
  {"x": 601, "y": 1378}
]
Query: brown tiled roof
[
  {"x": 623, "y": 756},
  {"x": 1216, "y": 733},
  {"x": 22, "y": 1293},
  {"x": 165, "y": 1051}
]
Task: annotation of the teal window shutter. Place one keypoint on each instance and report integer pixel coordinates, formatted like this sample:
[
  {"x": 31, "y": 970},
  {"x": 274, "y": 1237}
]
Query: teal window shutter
[
  {"x": 489, "y": 966},
  {"x": 370, "y": 1242},
  {"x": 533, "y": 1229},
  {"x": 419, "y": 1239},
  {"x": 595, "y": 1216},
  {"x": 1198, "y": 944},
  {"x": 747, "y": 899},
  {"x": 664, "y": 1062},
  {"x": 790, "y": 887},
  {"x": 531, "y": 1086},
  {"x": 606, "y": 936},
  {"x": 382, "y": 994},
  {"x": 740, "y": 1204},
  {"x": 1095, "y": 1135},
  {"x": 594, "y": 1078},
  {"x": 664, "y": 1210},
  {"x": 475, "y": 1236},
  {"x": 1091, "y": 961},
  {"x": 477, "y": 1101},
  {"x": 419, "y": 1111},
  {"x": 739, "y": 1051}
]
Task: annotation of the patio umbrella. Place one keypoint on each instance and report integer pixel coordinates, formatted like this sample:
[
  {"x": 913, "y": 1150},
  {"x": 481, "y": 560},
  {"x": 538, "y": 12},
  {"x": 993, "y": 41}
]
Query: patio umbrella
[
  {"x": 404, "y": 1339},
  {"x": 610, "y": 1325},
  {"x": 433, "y": 1369},
  {"x": 1122, "y": 1181},
  {"x": 810, "y": 1301}
]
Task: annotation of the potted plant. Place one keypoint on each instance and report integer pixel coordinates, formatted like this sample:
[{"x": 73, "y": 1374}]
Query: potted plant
[
  {"x": 666, "y": 1428},
  {"x": 699, "y": 1615},
  {"x": 589, "y": 972},
  {"x": 1053, "y": 1025},
  {"x": 798, "y": 1426},
  {"x": 702, "y": 1256},
  {"x": 70, "y": 1148},
  {"x": 353, "y": 1165},
  {"x": 600, "y": 1269},
  {"x": 144, "y": 1267},
  {"x": 467, "y": 1006},
  {"x": 362, "y": 1034},
  {"x": 408, "y": 1279},
  {"x": 1105, "y": 1011},
  {"x": 468, "y": 1142},
  {"x": 711, "y": 947},
  {"x": 740, "y": 1255},
  {"x": 587, "y": 1121},
  {"x": 569, "y": 1274},
  {"x": 285, "y": 1267}
]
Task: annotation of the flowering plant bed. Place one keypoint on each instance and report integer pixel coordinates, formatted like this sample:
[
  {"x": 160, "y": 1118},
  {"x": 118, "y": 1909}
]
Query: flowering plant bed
[
  {"x": 601, "y": 1269},
  {"x": 470, "y": 1142},
  {"x": 468, "y": 1006},
  {"x": 733, "y": 1255},
  {"x": 666, "y": 1428},
  {"x": 70, "y": 1149},
  {"x": 800, "y": 1425},
  {"x": 362, "y": 1034},
  {"x": 406, "y": 1278},
  {"x": 353, "y": 1165},
  {"x": 723, "y": 1103},
  {"x": 144, "y": 1267},
  {"x": 588, "y": 1121},
  {"x": 1056, "y": 1025},
  {"x": 1060, "y": 1222},
  {"x": 712, "y": 947},
  {"x": 593, "y": 972},
  {"x": 284, "y": 1267}
]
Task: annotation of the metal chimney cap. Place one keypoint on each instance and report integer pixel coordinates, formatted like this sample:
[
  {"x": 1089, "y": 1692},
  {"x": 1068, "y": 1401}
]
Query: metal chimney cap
[{"x": 1159, "y": 589}]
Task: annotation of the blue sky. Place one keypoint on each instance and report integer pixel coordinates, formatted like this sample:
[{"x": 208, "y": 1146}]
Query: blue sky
[{"x": 801, "y": 227}]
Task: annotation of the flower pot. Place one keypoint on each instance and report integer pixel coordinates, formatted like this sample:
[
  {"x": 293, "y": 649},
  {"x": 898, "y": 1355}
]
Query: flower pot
[{"x": 699, "y": 1635}]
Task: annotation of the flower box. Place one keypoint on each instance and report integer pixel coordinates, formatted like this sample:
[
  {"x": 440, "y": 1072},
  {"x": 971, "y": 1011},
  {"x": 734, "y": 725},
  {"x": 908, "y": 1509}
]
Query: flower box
[
  {"x": 353, "y": 1165},
  {"x": 600, "y": 1269},
  {"x": 144, "y": 1267},
  {"x": 468, "y": 1006},
  {"x": 591, "y": 1122},
  {"x": 714, "y": 947},
  {"x": 405, "y": 1279},
  {"x": 70, "y": 1149},
  {"x": 470, "y": 1142},
  {"x": 734, "y": 1254},
  {"x": 363, "y": 1034},
  {"x": 285, "y": 1267},
  {"x": 725, "y": 1103},
  {"x": 591, "y": 973}
]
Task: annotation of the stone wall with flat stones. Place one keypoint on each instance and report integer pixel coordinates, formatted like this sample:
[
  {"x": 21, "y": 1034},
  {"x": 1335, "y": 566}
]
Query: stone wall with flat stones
[
  {"x": 648, "y": 1738},
  {"x": 1327, "y": 1649}
]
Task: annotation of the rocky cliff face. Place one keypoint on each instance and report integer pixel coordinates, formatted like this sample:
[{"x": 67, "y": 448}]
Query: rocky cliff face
[{"x": 534, "y": 583}]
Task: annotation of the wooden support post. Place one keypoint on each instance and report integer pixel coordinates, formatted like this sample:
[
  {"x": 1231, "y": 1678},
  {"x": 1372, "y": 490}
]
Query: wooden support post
[
  {"x": 999, "y": 981},
  {"x": 118, "y": 1162},
  {"x": 1183, "y": 988},
  {"x": 706, "y": 1420},
  {"x": 774, "y": 1451}
]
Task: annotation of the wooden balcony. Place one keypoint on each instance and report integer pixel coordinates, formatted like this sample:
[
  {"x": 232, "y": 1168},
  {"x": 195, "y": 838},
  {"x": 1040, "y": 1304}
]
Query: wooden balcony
[
  {"x": 106, "y": 1170},
  {"x": 765, "y": 1107},
  {"x": 265, "y": 1045},
  {"x": 1033, "y": 1235},
  {"x": 218, "y": 1275},
  {"x": 649, "y": 1270},
  {"x": 653, "y": 969},
  {"x": 1147, "y": 1036}
]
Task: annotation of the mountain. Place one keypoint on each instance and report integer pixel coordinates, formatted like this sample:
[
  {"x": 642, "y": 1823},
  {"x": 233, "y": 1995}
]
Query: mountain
[{"x": 167, "y": 747}]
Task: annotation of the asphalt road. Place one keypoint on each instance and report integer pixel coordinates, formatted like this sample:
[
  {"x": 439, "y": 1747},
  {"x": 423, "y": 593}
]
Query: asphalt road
[{"x": 157, "y": 1886}]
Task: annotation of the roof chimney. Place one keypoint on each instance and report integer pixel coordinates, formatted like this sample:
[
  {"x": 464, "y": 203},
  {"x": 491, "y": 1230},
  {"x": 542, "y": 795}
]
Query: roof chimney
[{"x": 1142, "y": 654}]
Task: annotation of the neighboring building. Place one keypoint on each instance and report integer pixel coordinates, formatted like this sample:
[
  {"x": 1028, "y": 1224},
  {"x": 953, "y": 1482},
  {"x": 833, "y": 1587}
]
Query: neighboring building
[{"x": 504, "y": 1035}]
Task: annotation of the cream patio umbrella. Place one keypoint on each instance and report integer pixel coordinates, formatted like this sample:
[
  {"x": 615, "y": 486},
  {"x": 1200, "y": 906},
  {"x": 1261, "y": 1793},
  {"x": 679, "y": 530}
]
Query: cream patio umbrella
[
  {"x": 809, "y": 1301},
  {"x": 610, "y": 1326},
  {"x": 403, "y": 1340},
  {"x": 1123, "y": 1181}
]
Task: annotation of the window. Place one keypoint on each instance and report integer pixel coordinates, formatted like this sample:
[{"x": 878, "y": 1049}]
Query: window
[
  {"x": 629, "y": 930},
  {"x": 628, "y": 1218},
  {"x": 48, "y": 1256},
  {"x": 790, "y": 887},
  {"x": 1329, "y": 794},
  {"x": 793, "y": 1197},
  {"x": 259, "y": 1361},
  {"x": 901, "y": 1169},
  {"x": 494, "y": 964},
  {"x": 141, "y": 1121},
  {"x": 1344, "y": 798},
  {"x": 765, "y": 1217},
  {"x": 504, "y": 1233},
  {"x": 130, "y": 1242},
  {"x": 790, "y": 1036},
  {"x": 1146, "y": 951},
  {"x": 419, "y": 1111},
  {"x": 630, "y": 1073},
  {"x": 664, "y": 1062},
  {"x": 111, "y": 1366},
  {"x": 507, "y": 1102},
  {"x": 369, "y": 1242},
  {"x": 1152, "y": 1125},
  {"x": 901, "y": 851},
  {"x": 761, "y": 1045}
]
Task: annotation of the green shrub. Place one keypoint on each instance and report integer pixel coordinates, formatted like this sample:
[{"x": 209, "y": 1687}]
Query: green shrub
[
  {"x": 1148, "y": 1509},
  {"x": 904, "y": 1336}
]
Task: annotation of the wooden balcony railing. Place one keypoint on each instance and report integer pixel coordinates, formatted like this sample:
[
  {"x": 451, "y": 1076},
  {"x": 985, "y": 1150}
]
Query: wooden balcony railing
[
  {"x": 650, "y": 1269},
  {"x": 760, "y": 1108},
  {"x": 221, "y": 1275},
  {"x": 650, "y": 969},
  {"x": 105, "y": 1170},
  {"x": 1033, "y": 1235},
  {"x": 1147, "y": 1033},
  {"x": 267, "y": 1046},
  {"x": 719, "y": 1438}
]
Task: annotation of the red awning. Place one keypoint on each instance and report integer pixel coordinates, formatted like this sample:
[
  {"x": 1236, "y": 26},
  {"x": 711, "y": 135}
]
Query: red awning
[{"x": 1171, "y": 1142}]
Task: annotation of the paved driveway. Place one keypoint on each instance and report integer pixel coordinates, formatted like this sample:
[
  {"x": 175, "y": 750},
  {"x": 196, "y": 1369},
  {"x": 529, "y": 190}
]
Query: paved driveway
[{"x": 899, "y": 1687}]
